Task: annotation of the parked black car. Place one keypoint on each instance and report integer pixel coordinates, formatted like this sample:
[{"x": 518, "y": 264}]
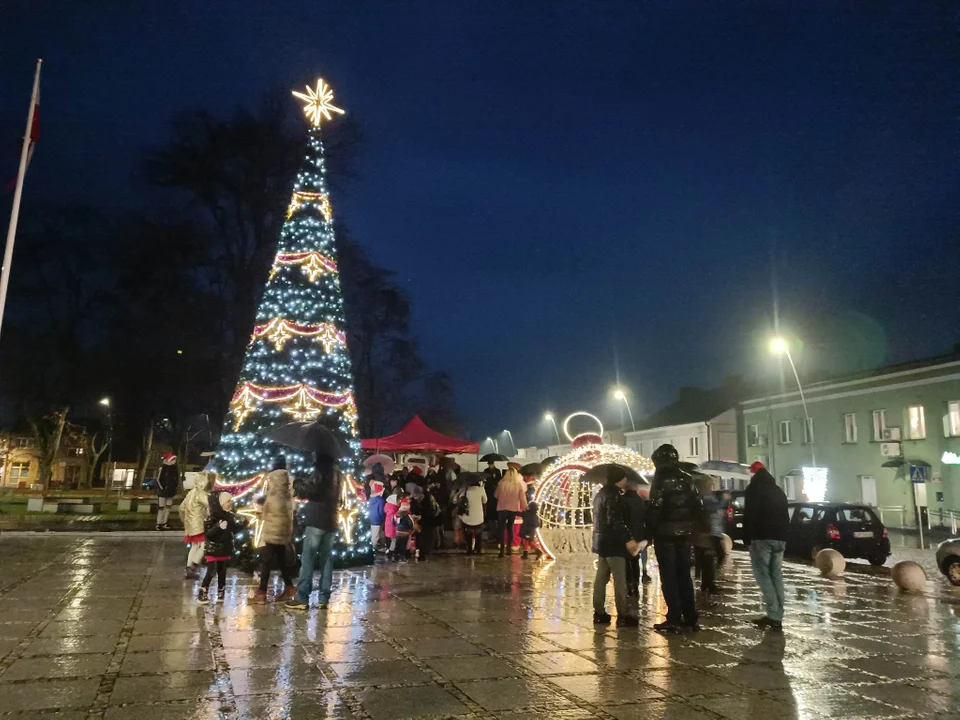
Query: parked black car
[
  {"x": 852, "y": 530},
  {"x": 732, "y": 502}
]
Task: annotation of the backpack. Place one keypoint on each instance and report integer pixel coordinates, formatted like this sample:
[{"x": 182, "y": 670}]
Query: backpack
[{"x": 463, "y": 505}]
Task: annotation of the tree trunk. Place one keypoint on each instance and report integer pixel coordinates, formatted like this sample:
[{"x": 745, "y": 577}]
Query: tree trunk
[
  {"x": 94, "y": 453},
  {"x": 48, "y": 433}
]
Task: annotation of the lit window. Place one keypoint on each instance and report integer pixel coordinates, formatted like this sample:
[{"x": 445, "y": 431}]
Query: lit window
[
  {"x": 953, "y": 417},
  {"x": 850, "y": 428},
  {"x": 916, "y": 422},
  {"x": 786, "y": 432},
  {"x": 879, "y": 424},
  {"x": 694, "y": 447},
  {"x": 808, "y": 431},
  {"x": 19, "y": 471},
  {"x": 753, "y": 435}
]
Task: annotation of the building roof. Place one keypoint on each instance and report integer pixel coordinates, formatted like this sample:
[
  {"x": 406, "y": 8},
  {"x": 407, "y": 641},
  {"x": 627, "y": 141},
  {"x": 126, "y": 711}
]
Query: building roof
[
  {"x": 930, "y": 363},
  {"x": 696, "y": 405}
]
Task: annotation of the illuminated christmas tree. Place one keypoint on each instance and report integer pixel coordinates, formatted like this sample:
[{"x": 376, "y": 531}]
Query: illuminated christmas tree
[{"x": 297, "y": 366}]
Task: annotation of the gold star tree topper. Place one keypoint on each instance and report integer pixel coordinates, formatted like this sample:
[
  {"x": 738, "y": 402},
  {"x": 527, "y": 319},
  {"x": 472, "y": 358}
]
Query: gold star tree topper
[{"x": 319, "y": 103}]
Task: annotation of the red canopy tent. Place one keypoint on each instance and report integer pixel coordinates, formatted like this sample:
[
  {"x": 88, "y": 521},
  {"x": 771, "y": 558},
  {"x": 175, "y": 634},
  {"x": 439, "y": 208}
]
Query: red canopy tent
[{"x": 417, "y": 437}]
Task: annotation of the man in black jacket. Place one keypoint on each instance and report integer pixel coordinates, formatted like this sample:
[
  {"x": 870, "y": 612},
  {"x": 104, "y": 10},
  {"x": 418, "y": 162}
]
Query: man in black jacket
[
  {"x": 168, "y": 482},
  {"x": 322, "y": 493},
  {"x": 612, "y": 541},
  {"x": 672, "y": 517},
  {"x": 637, "y": 522},
  {"x": 765, "y": 521}
]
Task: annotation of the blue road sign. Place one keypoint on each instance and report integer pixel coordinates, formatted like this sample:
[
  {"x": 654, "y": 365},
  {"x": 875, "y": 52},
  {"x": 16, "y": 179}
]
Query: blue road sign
[{"x": 918, "y": 474}]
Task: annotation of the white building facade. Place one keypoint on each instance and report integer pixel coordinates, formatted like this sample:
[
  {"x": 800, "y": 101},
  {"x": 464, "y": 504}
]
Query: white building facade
[{"x": 709, "y": 439}]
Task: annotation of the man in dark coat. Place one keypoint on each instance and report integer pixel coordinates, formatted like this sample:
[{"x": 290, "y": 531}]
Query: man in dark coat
[
  {"x": 612, "y": 541},
  {"x": 637, "y": 522},
  {"x": 765, "y": 521},
  {"x": 672, "y": 516},
  {"x": 492, "y": 477},
  {"x": 322, "y": 493},
  {"x": 168, "y": 482}
]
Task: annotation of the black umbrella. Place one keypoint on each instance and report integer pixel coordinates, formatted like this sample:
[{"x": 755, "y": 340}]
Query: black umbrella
[
  {"x": 601, "y": 473},
  {"x": 531, "y": 469},
  {"x": 688, "y": 467},
  {"x": 493, "y": 457},
  {"x": 310, "y": 436},
  {"x": 549, "y": 460}
]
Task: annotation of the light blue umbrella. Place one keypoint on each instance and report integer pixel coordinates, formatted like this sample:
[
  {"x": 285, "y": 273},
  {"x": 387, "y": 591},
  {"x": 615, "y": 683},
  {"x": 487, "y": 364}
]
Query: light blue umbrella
[{"x": 727, "y": 469}]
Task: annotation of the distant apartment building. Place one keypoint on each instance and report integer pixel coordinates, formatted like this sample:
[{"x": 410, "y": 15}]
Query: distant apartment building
[
  {"x": 20, "y": 463},
  {"x": 886, "y": 437},
  {"x": 701, "y": 425}
]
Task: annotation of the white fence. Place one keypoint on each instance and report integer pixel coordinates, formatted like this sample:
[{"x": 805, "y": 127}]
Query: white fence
[{"x": 899, "y": 516}]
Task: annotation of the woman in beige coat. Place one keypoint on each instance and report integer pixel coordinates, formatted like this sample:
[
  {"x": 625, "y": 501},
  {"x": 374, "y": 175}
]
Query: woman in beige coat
[{"x": 276, "y": 530}]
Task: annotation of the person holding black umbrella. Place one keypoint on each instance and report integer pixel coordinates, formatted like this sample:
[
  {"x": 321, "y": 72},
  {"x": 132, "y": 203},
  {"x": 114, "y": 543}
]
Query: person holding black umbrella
[
  {"x": 492, "y": 477},
  {"x": 612, "y": 542},
  {"x": 322, "y": 493},
  {"x": 672, "y": 516}
]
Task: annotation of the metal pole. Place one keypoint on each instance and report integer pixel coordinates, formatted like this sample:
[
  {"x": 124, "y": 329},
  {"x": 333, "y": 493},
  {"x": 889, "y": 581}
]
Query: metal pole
[
  {"x": 510, "y": 435},
  {"x": 917, "y": 506},
  {"x": 803, "y": 401},
  {"x": 17, "y": 193},
  {"x": 109, "y": 479},
  {"x": 629, "y": 413},
  {"x": 555, "y": 429}
]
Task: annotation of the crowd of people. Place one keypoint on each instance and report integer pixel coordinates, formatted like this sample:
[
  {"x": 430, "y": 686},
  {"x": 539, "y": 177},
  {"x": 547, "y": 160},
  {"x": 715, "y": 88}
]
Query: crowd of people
[
  {"x": 683, "y": 521},
  {"x": 410, "y": 512}
]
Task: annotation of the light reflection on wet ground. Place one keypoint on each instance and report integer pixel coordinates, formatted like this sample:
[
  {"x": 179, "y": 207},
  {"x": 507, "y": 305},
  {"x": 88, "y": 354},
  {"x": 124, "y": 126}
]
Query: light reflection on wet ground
[{"x": 93, "y": 628}]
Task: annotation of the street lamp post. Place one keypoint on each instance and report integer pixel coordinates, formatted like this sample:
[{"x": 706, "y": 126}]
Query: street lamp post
[
  {"x": 510, "y": 435},
  {"x": 106, "y": 483},
  {"x": 779, "y": 346},
  {"x": 619, "y": 394},
  {"x": 549, "y": 417},
  {"x": 493, "y": 442}
]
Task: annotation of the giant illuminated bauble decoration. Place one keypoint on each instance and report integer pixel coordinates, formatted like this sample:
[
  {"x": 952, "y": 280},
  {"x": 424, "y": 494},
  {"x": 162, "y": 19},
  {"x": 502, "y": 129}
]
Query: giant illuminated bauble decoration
[{"x": 565, "y": 500}]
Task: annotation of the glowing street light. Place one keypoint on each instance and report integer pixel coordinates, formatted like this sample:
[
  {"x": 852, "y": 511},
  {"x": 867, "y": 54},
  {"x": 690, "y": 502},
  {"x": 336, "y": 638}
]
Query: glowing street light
[
  {"x": 548, "y": 417},
  {"x": 779, "y": 346},
  {"x": 105, "y": 402},
  {"x": 619, "y": 394},
  {"x": 493, "y": 442}
]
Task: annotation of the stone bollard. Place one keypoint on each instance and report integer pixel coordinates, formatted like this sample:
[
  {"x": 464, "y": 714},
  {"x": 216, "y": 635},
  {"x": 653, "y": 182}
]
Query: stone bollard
[
  {"x": 727, "y": 543},
  {"x": 909, "y": 576},
  {"x": 830, "y": 562}
]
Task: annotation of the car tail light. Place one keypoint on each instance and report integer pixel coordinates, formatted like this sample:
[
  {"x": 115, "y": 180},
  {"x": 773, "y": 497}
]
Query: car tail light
[
  {"x": 884, "y": 533},
  {"x": 729, "y": 514},
  {"x": 832, "y": 532}
]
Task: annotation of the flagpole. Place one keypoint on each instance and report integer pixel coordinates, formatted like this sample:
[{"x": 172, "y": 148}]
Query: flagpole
[{"x": 15, "y": 212}]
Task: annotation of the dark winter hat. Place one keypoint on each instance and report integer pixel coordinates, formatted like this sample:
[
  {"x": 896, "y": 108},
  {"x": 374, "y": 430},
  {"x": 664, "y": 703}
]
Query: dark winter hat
[
  {"x": 665, "y": 455},
  {"x": 280, "y": 463}
]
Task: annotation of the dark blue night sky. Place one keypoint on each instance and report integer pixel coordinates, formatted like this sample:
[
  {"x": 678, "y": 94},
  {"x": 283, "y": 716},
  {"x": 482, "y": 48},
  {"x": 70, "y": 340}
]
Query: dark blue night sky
[{"x": 571, "y": 190}]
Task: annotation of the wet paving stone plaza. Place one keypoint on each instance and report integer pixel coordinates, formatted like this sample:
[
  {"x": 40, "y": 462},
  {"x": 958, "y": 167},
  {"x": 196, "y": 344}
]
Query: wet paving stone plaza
[{"x": 107, "y": 628}]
